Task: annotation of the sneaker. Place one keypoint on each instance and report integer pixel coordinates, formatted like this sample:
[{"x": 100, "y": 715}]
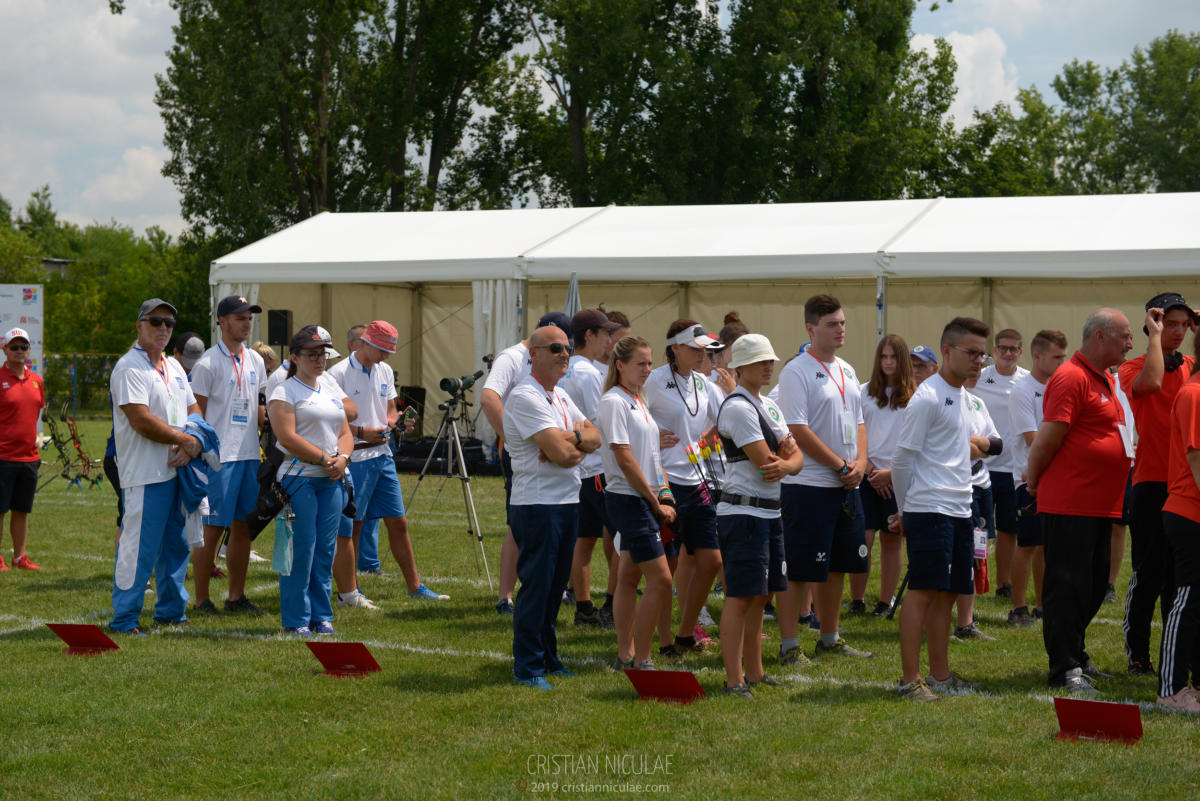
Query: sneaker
[
  {"x": 1020, "y": 617},
  {"x": 179, "y": 624},
  {"x": 3, "y": 565},
  {"x": 206, "y": 607},
  {"x": 505, "y": 606},
  {"x": 426, "y": 594},
  {"x": 690, "y": 645},
  {"x": 917, "y": 690},
  {"x": 881, "y": 609},
  {"x": 645, "y": 664},
  {"x": 1076, "y": 684},
  {"x": 357, "y": 599},
  {"x": 1110, "y": 597},
  {"x": 1004, "y": 591},
  {"x": 706, "y": 619},
  {"x": 298, "y": 631},
  {"x": 766, "y": 681},
  {"x": 562, "y": 673},
  {"x": 718, "y": 589},
  {"x": 954, "y": 684},
  {"x": 740, "y": 690},
  {"x": 670, "y": 652},
  {"x": 324, "y": 628},
  {"x": 814, "y": 623},
  {"x": 1141, "y": 667},
  {"x": 377, "y": 572},
  {"x": 569, "y": 596},
  {"x": 606, "y": 617},
  {"x": 218, "y": 573},
  {"x": 794, "y": 657},
  {"x": 840, "y": 648},
  {"x": 587, "y": 618},
  {"x": 1182, "y": 701},
  {"x": 25, "y": 563},
  {"x": 971, "y": 631},
  {"x": 537, "y": 683},
  {"x": 1038, "y": 614},
  {"x": 256, "y": 558},
  {"x": 620, "y": 664},
  {"x": 857, "y": 608},
  {"x": 769, "y": 612},
  {"x": 133, "y": 632},
  {"x": 1091, "y": 670},
  {"x": 242, "y": 604}
]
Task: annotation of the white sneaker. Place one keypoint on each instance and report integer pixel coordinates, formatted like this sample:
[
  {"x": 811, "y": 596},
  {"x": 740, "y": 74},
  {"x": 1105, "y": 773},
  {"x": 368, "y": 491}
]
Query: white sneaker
[
  {"x": 705, "y": 618},
  {"x": 256, "y": 558},
  {"x": 357, "y": 599}
]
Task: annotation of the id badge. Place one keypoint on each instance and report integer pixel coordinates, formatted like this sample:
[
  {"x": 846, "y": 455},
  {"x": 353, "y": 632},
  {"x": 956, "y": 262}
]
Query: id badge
[
  {"x": 239, "y": 411},
  {"x": 849, "y": 427},
  {"x": 1126, "y": 439},
  {"x": 980, "y": 543},
  {"x": 173, "y": 419}
]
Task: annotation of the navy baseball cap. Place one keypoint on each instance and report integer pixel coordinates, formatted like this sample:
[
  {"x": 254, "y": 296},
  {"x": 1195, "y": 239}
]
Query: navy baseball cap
[
  {"x": 924, "y": 353},
  {"x": 561, "y": 320}
]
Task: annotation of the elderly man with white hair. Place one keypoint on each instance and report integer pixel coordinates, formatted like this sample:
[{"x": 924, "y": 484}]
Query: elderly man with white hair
[{"x": 1077, "y": 469}]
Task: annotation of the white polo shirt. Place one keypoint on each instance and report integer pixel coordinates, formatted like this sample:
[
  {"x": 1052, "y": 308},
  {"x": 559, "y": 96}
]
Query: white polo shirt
[
  {"x": 685, "y": 407},
  {"x": 625, "y": 420},
  {"x": 231, "y": 385},
  {"x": 937, "y": 429},
  {"x": 371, "y": 390},
  {"x": 1024, "y": 414},
  {"x": 509, "y": 368},
  {"x": 530, "y": 408},
  {"x": 739, "y": 422},
  {"x": 165, "y": 391},
  {"x": 823, "y": 396},
  {"x": 995, "y": 390},
  {"x": 583, "y": 383},
  {"x": 883, "y": 428}
]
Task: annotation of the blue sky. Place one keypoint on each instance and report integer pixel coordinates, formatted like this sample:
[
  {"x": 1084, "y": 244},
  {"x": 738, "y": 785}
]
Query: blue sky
[{"x": 77, "y": 85}]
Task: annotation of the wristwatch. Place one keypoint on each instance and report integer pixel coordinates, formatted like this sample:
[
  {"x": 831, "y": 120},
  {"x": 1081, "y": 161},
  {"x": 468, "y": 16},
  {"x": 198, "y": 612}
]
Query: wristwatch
[
  {"x": 346, "y": 455},
  {"x": 578, "y": 437},
  {"x": 845, "y": 468}
]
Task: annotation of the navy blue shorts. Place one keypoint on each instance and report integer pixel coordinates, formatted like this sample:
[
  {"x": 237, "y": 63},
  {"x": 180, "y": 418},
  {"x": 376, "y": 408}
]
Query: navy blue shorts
[
  {"x": 823, "y": 532},
  {"x": 1029, "y": 532},
  {"x": 752, "y": 551},
  {"x": 593, "y": 516},
  {"x": 1004, "y": 496},
  {"x": 695, "y": 518},
  {"x": 637, "y": 526},
  {"x": 876, "y": 508},
  {"x": 941, "y": 552},
  {"x": 981, "y": 506}
]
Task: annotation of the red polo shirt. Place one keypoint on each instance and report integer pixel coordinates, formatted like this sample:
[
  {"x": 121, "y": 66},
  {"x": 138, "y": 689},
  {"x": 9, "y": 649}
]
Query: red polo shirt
[
  {"x": 1184, "y": 435},
  {"x": 21, "y": 401},
  {"x": 1087, "y": 475},
  {"x": 1152, "y": 415}
]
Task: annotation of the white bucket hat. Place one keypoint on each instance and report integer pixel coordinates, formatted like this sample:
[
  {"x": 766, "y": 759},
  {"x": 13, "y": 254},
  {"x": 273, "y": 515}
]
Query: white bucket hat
[{"x": 751, "y": 348}]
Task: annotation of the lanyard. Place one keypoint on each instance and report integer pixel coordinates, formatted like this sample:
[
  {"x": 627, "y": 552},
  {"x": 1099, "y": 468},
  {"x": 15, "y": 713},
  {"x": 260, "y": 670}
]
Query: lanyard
[
  {"x": 238, "y": 368},
  {"x": 161, "y": 373},
  {"x": 638, "y": 401},
  {"x": 842, "y": 388},
  {"x": 550, "y": 399}
]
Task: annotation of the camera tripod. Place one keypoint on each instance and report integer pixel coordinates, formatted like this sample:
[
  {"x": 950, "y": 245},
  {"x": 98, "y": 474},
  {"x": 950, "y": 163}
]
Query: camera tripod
[{"x": 456, "y": 466}]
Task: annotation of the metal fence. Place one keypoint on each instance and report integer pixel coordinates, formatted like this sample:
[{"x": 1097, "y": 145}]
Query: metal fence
[{"x": 78, "y": 379}]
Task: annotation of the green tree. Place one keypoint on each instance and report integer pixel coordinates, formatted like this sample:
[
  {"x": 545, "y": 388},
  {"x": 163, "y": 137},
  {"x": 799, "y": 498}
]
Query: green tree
[{"x": 1159, "y": 107}]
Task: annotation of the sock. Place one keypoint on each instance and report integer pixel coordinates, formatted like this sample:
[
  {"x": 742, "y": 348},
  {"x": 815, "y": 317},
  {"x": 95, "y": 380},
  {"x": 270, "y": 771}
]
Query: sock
[
  {"x": 829, "y": 639},
  {"x": 788, "y": 644},
  {"x": 585, "y": 607},
  {"x": 608, "y": 601}
]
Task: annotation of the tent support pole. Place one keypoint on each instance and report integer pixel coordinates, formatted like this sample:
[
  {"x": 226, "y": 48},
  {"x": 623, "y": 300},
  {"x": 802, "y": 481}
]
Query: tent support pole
[
  {"x": 989, "y": 304},
  {"x": 880, "y": 307},
  {"x": 685, "y": 300},
  {"x": 418, "y": 346}
]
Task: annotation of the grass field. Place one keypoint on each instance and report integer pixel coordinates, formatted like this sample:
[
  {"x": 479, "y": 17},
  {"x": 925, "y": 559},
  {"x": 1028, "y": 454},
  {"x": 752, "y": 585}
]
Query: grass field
[{"x": 230, "y": 709}]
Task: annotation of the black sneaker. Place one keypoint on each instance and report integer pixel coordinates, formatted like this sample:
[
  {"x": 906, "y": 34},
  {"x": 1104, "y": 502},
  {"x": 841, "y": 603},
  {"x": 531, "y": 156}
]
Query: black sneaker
[
  {"x": 1038, "y": 614},
  {"x": 1004, "y": 591},
  {"x": 858, "y": 608},
  {"x": 881, "y": 609},
  {"x": 670, "y": 653},
  {"x": 206, "y": 608},
  {"x": 1091, "y": 670},
  {"x": 606, "y": 617},
  {"x": 740, "y": 690},
  {"x": 242, "y": 604},
  {"x": 769, "y": 612},
  {"x": 587, "y": 618},
  {"x": 505, "y": 606},
  {"x": 1020, "y": 617},
  {"x": 1141, "y": 667}
]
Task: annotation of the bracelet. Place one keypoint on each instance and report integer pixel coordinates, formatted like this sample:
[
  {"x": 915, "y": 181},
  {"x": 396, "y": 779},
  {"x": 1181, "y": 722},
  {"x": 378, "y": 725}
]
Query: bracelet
[
  {"x": 845, "y": 469},
  {"x": 360, "y": 434}
]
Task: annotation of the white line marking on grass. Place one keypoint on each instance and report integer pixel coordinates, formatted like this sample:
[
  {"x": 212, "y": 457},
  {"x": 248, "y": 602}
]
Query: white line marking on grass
[{"x": 34, "y": 623}]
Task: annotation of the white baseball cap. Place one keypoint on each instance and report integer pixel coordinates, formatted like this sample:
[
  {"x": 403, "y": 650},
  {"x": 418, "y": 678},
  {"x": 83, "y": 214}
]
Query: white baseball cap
[{"x": 16, "y": 333}]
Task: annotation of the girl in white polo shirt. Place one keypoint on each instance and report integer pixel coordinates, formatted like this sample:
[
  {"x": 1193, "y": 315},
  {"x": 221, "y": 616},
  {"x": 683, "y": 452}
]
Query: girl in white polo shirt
[{"x": 635, "y": 500}]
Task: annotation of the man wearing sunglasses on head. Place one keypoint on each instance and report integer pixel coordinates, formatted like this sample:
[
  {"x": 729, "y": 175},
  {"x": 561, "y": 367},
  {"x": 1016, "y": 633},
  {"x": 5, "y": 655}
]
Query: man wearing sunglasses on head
[
  {"x": 22, "y": 398},
  {"x": 151, "y": 403}
]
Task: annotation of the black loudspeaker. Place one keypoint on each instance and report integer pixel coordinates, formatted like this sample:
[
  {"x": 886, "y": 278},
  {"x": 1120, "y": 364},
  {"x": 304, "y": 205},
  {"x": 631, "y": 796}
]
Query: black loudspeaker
[{"x": 279, "y": 326}]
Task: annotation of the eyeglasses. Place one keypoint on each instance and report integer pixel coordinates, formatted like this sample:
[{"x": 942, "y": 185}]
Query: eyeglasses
[
  {"x": 1009, "y": 348},
  {"x": 158, "y": 322},
  {"x": 556, "y": 348},
  {"x": 11, "y": 346},
  {"x": 313, "y": 355},
  {"x": 973, "y": 355}
]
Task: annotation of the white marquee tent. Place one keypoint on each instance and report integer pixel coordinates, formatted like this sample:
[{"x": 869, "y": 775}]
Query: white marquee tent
[{"x": 903, "y": 265}]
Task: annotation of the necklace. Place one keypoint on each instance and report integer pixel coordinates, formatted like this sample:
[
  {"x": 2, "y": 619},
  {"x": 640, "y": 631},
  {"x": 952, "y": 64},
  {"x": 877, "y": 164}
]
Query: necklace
[{"x": 691, "y": 412}]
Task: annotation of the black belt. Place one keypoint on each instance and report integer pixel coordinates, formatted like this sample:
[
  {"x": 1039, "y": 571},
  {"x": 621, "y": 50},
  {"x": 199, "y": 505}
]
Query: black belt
[{"x": 749, "y": 500}]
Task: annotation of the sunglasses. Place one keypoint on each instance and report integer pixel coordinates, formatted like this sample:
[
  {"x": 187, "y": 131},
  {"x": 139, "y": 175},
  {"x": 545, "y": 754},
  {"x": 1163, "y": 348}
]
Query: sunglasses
[
  {"x": 556, "y": 348},
  {"x": 11, "y": 346},
  {"x": 158, "y": 322},
  {"x": 1009, "y": 348}
]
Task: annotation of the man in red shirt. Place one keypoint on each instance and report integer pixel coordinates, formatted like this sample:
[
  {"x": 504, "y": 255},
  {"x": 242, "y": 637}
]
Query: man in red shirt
[
  {"x": 22, "y": 398},
  {"x": 1077, "y": 470},
  {"x": 1151, "y": 382},
  {"x": 1181, "y": 523}
]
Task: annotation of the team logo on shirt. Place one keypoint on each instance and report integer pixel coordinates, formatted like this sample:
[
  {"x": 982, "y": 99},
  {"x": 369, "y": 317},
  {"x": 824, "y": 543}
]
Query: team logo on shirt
[
  {"x": 819, "y": 375},
  {"x": 179, "y": 381},
  {"x": 1103, "y": 399},
  {"x": 1037, "y": 394},
  {"x": 990, "y": 381},
  {"x": 976, "y": 405},
  {"x": 774, "y": 413},
  {"x": 4, "y": 384},
  {"x": 949, "y": 402}
]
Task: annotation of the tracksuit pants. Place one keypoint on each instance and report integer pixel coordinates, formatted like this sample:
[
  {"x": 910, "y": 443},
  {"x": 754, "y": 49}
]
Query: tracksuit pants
[
  {"x": 545, "y": 536},
  {"x": 304, "y": 594},
  {"x": 1151, "y": 582},
  {"x": 152, "y": 541},
  {"x": 1181, "y": 625},
  {"x": 1076, "y": 580}
]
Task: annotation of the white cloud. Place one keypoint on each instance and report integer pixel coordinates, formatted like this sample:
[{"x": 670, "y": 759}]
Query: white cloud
[
  {"x": 1014, "y": 16},
  {"x": 984, "y": 76},
  {"x": 138, "y": 175}
]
